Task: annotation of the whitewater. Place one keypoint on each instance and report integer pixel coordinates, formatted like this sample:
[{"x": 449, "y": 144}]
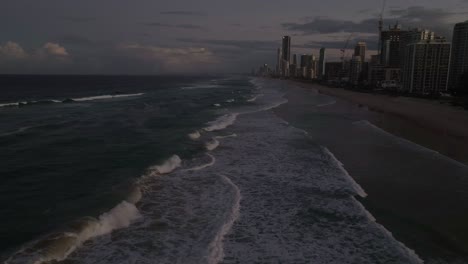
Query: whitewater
[{"x": 262, "y": 192}]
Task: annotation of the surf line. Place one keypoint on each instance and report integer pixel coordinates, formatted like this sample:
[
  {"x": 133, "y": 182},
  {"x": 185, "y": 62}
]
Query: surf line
[
  {"x": 216, "y": 251},
  {"x": 201, "y": 167}
]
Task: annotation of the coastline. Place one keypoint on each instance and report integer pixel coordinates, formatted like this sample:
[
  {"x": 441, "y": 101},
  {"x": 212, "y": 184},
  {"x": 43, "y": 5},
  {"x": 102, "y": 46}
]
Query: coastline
[
  {"x": 439, "y": 127},
  {"x": 414, "y": 186}
]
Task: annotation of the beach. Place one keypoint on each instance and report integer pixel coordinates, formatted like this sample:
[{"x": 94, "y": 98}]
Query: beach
[{"x": 413, "y": 171}]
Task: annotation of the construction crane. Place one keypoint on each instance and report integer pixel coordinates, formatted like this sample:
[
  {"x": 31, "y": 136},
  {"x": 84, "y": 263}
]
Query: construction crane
[
  {"x": 381, "y": 27},
  {"x": 343, "y": 50}
]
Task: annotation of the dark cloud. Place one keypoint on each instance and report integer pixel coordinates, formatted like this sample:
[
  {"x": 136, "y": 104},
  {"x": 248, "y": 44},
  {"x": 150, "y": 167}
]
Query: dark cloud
[
  {"x": 183, "y": 13},
  {"x": 434, "y": 19},
  {"x": 340, "y": 43}
]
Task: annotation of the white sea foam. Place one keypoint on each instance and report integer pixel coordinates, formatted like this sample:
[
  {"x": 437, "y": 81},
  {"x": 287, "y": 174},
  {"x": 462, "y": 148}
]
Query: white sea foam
[
  {"x": 216, "y": 252},
  {"x": 228, "y": 136},
  {"x": 200, "y": 86},
  {"x": 201, "y": 167},
  {"x": 194, "y": 135},
  {"x": 57, "y": 247},
  {"x": 217, "y": 105},
  {"x": 11, "y": 104},
  {"x": 326, "y": 104},
  {"x": 18, "y": 131},
  {"x": 230, "y": 101},
  {"x": 212, "y": 145},
  {"x": 340, "y": 165},
  {"x": 167, "y": 166},
  {"x": 407, "y": 143},
  {"x": 222, "y": 122},
  {"x": 102, "y": 97},
  {"x": 253, "y": 99}
]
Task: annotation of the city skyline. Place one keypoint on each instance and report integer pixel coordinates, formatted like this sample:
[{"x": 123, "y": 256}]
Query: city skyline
[{"x": 152, "y": 37}]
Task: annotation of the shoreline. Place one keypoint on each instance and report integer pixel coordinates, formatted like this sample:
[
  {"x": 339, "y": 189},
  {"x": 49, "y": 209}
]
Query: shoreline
[
  {"x": 443, "y": 128},
  {"x": 413, "y": 192}
]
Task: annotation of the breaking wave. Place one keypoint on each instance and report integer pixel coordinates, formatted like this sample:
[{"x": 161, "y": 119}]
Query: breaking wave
[
  {"x": 167, "y": 166},
  {"x": 194, "y": 135},
  {"x": 212, "y": 145},
  {"x": 222, "y": 122},
  {"x": 58, "y": 246},
  {"x": 69, "y": 100}
]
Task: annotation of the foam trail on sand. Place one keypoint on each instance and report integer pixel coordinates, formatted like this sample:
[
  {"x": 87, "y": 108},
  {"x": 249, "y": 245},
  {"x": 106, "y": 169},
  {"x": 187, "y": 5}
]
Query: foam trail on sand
[
  {"x": 195, "y": 135},
  {"x": 201, "y": 167},
  {"x": 222, "y": 122},
  {"x": 167, "y": 166},
  {"x": 57, "y": 247},
  {"x": 212, "y": 145},
  {"x": 216, "y": 252},
  {"x": 406, "y": 142},
  {"x": 101, "y": 97},
  {"x": 340, "y": 165}
]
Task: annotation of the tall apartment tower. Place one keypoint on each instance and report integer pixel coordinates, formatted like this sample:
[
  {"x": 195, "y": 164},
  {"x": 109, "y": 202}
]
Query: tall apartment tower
[
  {"x": 360, "y": 51},
  {"x": 407, "y": 38},
  {"x": 321, "y": 65},
  {"x": 286, "y": 55},
  {"x": 279, "y": 61},
  {"x": 427, "y": 67},
  {"x": 390, "y": 50},
  {"x": 459, "y": 65}
]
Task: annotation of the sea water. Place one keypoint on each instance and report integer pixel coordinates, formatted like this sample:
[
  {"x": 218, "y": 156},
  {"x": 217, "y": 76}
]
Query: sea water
[{"x": 174, "y": 170}]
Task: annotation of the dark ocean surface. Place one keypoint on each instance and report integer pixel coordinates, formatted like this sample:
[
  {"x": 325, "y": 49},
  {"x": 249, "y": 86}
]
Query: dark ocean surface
[{"x": 174, "y": 170}]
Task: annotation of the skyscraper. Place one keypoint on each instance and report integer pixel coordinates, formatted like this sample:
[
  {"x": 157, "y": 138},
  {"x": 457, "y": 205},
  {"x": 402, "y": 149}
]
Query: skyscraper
[
  {"x": 321, "y": 66},
  {"x": 360, "y": 50},
  {"x": 459, "y": 65},
  {"x": 427, "y": 67},
  {"x": 293, "y": 67},
  {"x": 279, "y": 66},
  {"x": 286, "y": 55},
  {"x": 390, "y": 53},
  {"x": 407, "y": 38},
  {"x": 355, "y": 69}
]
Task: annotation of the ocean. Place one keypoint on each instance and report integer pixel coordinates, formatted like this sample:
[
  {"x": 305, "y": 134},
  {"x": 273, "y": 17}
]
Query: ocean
[{"x": 106, "y": 169}]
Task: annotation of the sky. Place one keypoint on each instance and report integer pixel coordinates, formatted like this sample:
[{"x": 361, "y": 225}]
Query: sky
[{"x": 195, "y": 36}]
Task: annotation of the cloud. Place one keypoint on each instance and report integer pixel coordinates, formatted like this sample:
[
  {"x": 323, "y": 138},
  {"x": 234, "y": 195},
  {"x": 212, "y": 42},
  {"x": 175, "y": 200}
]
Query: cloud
[
  {"x": 183, "y": 13},
  {"x": 55, "y": 50},
  {"x": 171, "y": 60},
  {"x": 49, "y": 57},
  {"x": 182, "y": 26},
  {"x": 436, "y": 19},
  {"x": 12, "y": 51}
]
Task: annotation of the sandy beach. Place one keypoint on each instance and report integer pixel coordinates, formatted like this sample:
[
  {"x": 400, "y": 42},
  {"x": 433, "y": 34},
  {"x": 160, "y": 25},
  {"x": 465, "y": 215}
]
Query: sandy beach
[
  {"x": 413, "y": 171},
  {"x": 439, "y": 127}
]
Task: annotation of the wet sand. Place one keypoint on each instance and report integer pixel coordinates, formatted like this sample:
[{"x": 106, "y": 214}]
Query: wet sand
[
  {"x": 439, "y": 127},
  {"x": 415, "y": 192}
]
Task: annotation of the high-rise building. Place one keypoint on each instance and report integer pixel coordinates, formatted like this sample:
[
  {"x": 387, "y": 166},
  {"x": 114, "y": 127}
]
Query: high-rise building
[
  {"x": 459, "y": 64},
  {"x": 321, "y": 64},
  {"x": 360, "y": 50},
  {"x": 355, "y": 70},
  {"x": 427, "y": 67},
  {"x": 390, "y": 52},
  {"x": 286, "y": 55},
  {"x": 279, "y": 61},
  {"x": 293, "y": 66},
  {"x": 407, "y": 38}
]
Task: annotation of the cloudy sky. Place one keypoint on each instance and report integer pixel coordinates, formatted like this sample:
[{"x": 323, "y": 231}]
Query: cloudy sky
[{"x": 194, "y": 36}]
